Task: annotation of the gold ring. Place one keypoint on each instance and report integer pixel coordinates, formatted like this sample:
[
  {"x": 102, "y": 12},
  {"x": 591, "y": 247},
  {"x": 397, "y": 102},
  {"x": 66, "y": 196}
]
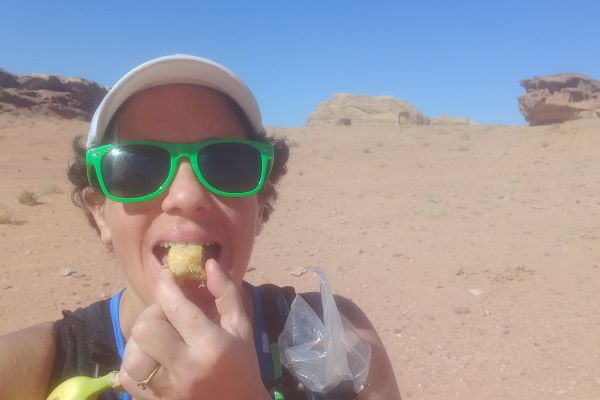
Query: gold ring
[{"x": 144, "y": 384}]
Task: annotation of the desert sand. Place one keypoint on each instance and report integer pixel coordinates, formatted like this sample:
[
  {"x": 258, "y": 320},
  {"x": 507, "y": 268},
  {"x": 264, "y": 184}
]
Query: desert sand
[{"x": 475, "y": 250}]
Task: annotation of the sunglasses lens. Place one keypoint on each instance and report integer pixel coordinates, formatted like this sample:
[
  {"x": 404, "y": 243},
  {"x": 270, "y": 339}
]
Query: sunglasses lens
[
  {"x": 135, "y": 170},
  {"x": 231, "y": 167}
]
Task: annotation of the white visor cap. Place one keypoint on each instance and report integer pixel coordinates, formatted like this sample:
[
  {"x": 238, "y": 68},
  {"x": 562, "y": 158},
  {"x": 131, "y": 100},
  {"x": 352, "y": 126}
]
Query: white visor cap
[{"x": 179, "y": 68}]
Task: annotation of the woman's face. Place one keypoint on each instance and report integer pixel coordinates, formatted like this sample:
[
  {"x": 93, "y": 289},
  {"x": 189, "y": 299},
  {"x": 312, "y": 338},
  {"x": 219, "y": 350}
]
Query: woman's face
[{"x": 186, "y": 211}]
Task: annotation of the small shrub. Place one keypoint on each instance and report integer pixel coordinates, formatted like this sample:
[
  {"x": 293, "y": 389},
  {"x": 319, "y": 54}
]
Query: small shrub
[
  {"x": 7, "y": 217},
  {"x": 28, "y": 198},
  {"x": 53, "y": 189}
]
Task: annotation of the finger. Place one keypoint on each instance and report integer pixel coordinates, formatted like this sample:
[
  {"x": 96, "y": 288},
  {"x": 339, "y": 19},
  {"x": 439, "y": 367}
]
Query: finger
[
  {"x": 158, "y": 383},
  {"x": 228, "y": 299},
  {"x": 155, "y": 336},
  {"x": 153, "y": 344},
  {"x": 137, "y": 365},
  {"x": 187, "y": 319}
]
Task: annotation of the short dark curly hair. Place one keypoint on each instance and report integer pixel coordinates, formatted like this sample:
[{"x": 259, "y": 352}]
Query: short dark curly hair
[{"x": 78, "y": 176}]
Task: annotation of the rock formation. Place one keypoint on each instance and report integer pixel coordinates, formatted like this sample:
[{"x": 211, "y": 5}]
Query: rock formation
[
  {"x": 72, "y": 98},
  {"x": 355, "y": 110},
  {"x": 448, "y": 120},
  {"x": 554, "y": 99}
]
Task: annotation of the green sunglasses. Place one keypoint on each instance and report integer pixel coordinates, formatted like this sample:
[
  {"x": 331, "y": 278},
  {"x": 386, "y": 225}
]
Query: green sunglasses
[{"x": 135, "y": 171}]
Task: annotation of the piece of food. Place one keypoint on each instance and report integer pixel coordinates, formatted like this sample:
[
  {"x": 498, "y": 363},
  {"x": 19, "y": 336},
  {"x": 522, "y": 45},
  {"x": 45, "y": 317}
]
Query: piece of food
[{"x": 186, "y": 262}]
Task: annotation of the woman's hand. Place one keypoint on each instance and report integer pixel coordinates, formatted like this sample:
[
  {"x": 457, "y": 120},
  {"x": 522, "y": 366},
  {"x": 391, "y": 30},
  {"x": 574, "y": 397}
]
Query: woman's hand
[{"x": 198, "y": 358}]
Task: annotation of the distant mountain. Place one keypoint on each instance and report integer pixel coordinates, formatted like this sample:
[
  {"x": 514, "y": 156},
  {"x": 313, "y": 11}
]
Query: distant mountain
[
  {"x": 345, "y": 109},
  {"x": 71, "y": 98}
]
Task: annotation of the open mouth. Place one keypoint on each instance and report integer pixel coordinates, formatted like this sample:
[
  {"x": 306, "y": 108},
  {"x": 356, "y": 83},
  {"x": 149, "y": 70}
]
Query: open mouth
[{"x": 161, "y": 250}]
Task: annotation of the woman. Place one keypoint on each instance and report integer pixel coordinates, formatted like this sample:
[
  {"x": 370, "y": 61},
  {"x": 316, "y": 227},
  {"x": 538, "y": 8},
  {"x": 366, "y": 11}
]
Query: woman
[{"x": 176, "y": 154}]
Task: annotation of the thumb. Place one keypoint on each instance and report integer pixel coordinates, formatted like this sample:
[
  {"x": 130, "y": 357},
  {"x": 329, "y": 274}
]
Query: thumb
[{"x": 229, "y": 303}]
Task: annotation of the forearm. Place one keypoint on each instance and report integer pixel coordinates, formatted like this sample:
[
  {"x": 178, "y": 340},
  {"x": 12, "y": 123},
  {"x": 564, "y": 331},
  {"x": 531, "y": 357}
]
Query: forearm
[{"x": 26, "y": 359}]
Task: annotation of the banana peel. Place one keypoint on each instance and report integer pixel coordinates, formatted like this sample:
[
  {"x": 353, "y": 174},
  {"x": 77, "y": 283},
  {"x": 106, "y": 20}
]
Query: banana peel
[{"x": 84, "y": 387}]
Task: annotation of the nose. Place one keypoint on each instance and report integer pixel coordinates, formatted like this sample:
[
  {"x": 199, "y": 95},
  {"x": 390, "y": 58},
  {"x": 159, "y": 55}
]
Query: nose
[{"x": 186, "y": 195}]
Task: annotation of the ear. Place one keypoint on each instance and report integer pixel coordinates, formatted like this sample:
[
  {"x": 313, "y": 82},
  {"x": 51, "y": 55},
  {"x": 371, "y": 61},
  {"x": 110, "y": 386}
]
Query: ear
[{"x": 95, "y": 202}]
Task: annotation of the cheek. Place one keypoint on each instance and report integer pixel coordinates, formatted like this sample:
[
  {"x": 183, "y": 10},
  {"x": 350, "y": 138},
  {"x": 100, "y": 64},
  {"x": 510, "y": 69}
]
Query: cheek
[
  {"x": 127, "y": 231},
  {"x": 242, "y": 217},
  {"x": 245, "y": 216}
]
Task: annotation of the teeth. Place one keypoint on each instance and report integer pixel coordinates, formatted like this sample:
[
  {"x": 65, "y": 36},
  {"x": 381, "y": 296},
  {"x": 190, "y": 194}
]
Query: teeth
[{"x": 171, "y": 244}]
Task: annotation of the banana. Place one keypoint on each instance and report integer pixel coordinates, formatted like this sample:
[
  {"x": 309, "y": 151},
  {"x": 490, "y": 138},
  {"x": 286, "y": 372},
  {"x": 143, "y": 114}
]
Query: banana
[{"x": 84, "y": 387}]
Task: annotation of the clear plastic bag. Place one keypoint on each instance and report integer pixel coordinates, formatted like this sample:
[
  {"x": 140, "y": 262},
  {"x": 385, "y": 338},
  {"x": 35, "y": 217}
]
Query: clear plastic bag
[{"x": 323, "y": 354}]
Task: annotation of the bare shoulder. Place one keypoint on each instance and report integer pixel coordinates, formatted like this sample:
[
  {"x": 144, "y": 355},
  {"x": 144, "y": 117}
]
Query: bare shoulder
[
  {"x": 382, "y": 381},
  {"x": 27, "y": 356}
]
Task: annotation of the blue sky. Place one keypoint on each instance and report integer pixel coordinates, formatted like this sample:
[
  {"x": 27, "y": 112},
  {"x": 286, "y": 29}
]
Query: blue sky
[{"x": 461, "y": 57}]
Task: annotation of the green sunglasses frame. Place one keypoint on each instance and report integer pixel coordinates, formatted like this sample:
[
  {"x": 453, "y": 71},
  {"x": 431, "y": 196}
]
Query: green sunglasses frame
[{"x": 94, "y": 157}]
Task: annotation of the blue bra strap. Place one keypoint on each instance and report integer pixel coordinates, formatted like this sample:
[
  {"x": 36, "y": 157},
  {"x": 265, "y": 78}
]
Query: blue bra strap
[{"x": 116, "y": 324}]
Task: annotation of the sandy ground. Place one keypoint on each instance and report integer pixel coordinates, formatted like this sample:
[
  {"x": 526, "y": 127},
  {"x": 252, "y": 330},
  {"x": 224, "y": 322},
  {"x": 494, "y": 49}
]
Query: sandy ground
[{"x": 474, "y": 249}]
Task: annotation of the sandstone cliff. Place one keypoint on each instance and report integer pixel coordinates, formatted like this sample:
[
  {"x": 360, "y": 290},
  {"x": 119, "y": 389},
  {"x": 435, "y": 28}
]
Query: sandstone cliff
[
  {"x": 72, "y": 98},
  {"x": 356, "y": 110},
  {"x": 554, "y": 99}
]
